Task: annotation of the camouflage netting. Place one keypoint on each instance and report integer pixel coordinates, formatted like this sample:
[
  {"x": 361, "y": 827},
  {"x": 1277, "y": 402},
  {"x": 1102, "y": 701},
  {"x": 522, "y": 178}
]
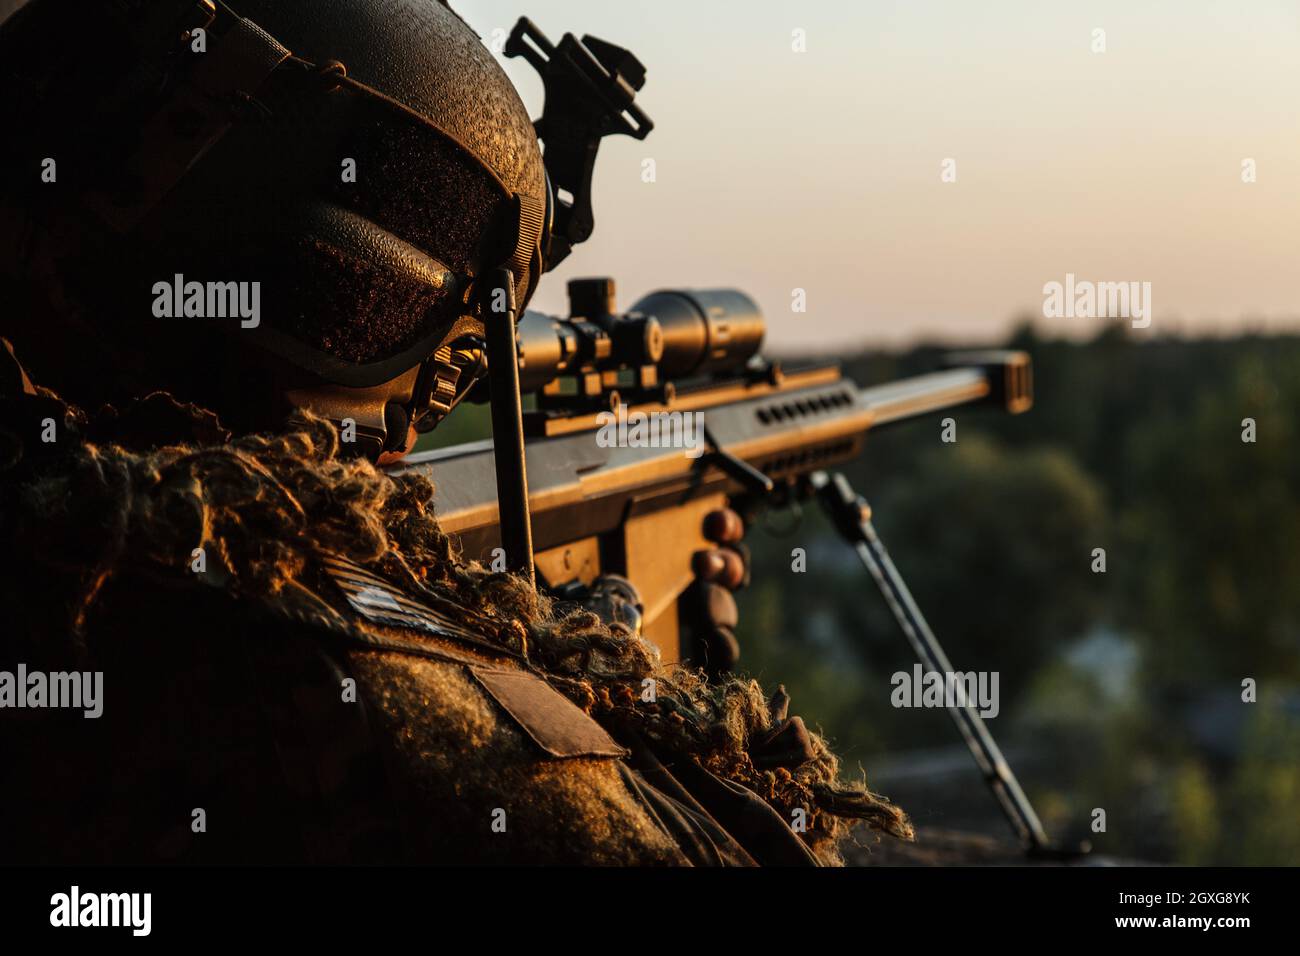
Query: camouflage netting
[{"x": 262, "y": 505}]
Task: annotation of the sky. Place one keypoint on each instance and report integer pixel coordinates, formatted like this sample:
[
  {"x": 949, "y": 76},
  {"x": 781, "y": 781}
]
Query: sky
[{"x": 822, "y": 170}]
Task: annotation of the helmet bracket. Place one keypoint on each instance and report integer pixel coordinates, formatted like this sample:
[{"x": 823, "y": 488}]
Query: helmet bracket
[{"x": 590, "y": 87}]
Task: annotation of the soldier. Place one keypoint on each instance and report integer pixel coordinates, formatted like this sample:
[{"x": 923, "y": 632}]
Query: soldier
[{"x": 244, "y": 252}]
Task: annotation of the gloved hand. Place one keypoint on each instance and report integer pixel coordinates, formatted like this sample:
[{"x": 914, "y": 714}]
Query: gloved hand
[
  {"x": 615, "y": 601},
  {"x": 708, "y": 610}
]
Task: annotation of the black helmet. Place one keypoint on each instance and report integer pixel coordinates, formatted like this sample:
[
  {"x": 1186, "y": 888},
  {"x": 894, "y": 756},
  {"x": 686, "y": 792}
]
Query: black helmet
[{"x": 327, "y": 182}]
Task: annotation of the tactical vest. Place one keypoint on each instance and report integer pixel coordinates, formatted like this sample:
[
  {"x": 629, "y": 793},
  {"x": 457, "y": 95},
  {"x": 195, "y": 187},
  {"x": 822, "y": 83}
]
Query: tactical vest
[{"x": 347, "y": 718}]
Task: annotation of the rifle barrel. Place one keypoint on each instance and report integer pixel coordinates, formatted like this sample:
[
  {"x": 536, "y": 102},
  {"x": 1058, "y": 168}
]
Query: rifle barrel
[
  {"x": 581, "y": 486},
  {"x": 912, "y": 397}
]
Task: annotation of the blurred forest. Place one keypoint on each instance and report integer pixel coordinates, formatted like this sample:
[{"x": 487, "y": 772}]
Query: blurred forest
[{"x": 1119, "y": 690}]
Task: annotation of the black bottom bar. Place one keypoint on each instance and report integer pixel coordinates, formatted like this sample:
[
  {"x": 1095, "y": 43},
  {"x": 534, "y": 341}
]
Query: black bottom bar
[{"x": 583, "y": 906}]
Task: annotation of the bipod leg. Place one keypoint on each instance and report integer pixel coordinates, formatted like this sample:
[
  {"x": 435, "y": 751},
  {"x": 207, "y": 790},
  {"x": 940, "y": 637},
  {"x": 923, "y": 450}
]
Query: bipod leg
[{"x": 852, "y": 518}]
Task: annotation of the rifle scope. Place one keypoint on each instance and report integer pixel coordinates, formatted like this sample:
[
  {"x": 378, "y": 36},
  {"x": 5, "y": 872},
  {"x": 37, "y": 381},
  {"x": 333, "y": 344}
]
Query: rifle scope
[{"x": 681, "y": 333}]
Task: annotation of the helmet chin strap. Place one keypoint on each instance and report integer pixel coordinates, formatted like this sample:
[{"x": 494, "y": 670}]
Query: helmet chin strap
[
  {"x": 377, "y": 420},
  {"x": 362, "y": 415}
]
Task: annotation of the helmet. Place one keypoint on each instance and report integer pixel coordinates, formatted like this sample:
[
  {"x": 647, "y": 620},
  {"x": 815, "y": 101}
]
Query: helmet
[{"x": 266, "y": 204}]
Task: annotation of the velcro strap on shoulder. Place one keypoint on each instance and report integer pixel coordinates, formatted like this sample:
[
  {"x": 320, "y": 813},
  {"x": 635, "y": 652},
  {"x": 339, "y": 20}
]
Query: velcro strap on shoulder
[{"x": 553, "y": 722}]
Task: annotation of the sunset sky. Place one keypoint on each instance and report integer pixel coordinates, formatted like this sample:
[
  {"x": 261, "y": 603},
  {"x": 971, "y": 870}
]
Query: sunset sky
[{"x": 821, "y": 170}]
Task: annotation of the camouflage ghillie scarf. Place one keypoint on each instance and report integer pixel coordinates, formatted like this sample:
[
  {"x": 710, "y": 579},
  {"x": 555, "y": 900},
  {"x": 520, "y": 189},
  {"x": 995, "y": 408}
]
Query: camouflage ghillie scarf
[{"x": 160, "y": 479}]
